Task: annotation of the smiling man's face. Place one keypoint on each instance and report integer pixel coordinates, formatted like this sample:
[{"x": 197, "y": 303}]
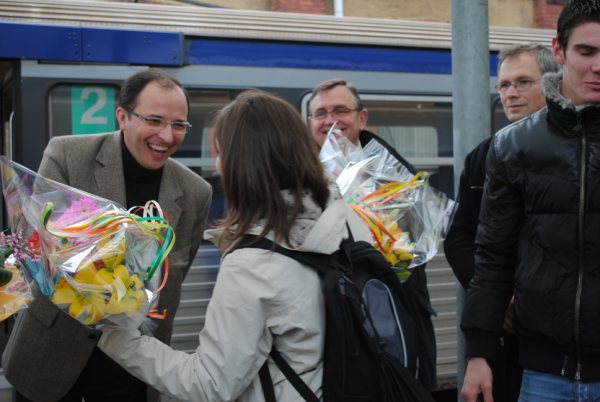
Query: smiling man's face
[
  {"x": 337, "y": 98},
  {"x": 150, "y": 146}
]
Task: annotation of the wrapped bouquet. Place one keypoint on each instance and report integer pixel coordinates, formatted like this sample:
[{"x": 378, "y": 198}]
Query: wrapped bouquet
[
  {"x": 406, "y": 216},
  {"x": 97, "y": 261}
]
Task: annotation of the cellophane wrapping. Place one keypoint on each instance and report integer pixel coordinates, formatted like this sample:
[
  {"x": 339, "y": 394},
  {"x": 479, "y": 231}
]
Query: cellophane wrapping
[
  {"x": 407, "y": 217},
  {"x": 100, "y": 263}
]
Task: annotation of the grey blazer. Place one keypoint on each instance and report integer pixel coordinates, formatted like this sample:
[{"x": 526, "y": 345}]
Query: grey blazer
[{"x": 47, "y": 349}]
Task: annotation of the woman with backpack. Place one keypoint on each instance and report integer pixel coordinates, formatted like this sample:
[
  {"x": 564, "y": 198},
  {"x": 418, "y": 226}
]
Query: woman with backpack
[{"x": 275, "y": 188}]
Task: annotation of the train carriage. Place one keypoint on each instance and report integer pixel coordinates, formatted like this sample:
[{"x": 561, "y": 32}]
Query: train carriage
[{"x": 61, "y": 63}]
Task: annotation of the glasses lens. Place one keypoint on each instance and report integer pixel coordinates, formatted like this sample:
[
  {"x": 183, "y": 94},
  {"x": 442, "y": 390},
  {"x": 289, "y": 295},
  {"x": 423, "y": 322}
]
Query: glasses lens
[
  {"x": 523, "y": 85},
  {"x": 341, "y": 112},
  {"x": 180, "y": 127},
  {"x": 154, "y": 122}
]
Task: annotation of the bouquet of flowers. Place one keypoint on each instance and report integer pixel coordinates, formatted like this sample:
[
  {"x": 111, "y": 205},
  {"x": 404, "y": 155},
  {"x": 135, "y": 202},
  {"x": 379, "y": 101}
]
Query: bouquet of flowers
[
  {"x": 406, "y": 216},
  {"x": 95, "y": 260}
]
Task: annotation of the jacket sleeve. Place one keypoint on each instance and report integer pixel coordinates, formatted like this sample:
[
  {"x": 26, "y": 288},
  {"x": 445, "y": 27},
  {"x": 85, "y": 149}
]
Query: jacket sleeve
[
  {"x": 490, "y": 290},
  {"x": 459, "y": 245},
  {"x": 233, "y": 345},
  {"x": 249, "y": 302}
]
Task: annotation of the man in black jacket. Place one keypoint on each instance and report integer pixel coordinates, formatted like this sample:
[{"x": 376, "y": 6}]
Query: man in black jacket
[
  {"x": 336, "y": 101},
  {"x": 538, "y": 231},
  {"x": 520, "y": 71}
]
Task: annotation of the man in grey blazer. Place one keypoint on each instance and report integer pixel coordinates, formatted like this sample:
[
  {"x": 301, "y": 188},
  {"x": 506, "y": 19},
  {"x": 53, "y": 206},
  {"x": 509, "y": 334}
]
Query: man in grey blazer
[{"x": 50, "y": 356}]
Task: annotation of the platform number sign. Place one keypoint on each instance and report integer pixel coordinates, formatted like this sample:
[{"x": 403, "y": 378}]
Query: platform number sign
[{"x": 92, "y": 109}]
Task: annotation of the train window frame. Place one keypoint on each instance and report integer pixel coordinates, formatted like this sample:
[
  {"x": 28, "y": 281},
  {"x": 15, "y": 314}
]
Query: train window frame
[{"x": 204, "y": 164}]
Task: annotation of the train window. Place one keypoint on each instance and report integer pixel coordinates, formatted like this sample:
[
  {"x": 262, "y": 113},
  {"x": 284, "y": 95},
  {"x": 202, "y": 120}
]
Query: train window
[
  {"x": 82, "y": 109},
  {"x": 196, "y": 150},
  {"x": 420, "y": 128}
]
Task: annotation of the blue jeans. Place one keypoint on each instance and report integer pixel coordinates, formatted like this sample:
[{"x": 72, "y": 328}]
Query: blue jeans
[{"x": 542, "y": 387}]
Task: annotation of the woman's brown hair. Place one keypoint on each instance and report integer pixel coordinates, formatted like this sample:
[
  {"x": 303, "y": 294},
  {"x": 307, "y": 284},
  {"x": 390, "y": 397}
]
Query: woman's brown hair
[{"x": 265, "y": 147}]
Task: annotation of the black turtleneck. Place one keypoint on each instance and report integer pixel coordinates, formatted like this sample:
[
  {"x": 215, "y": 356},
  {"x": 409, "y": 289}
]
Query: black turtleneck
[{"x": 141, "y": 184}]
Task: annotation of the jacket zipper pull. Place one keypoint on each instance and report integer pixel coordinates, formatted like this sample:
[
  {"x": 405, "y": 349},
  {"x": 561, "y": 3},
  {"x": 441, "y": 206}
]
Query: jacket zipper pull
[{"x": 564, "y": 366}]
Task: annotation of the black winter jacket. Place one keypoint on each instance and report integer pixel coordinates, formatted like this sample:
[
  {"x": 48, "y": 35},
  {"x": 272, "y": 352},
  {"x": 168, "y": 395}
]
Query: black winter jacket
[
  {"x": 459, "y": 245},
  {"x": 540, "y": 213}
]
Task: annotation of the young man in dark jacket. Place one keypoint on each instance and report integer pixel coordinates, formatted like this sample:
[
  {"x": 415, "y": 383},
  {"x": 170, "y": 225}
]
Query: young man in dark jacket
[
  {"x": 336, "y": 101},
  {"x": 538, "y": 231},
  {"x": 520, "y": 71}
]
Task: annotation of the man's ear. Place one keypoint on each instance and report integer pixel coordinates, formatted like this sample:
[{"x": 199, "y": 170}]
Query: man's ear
[
  {"x": 557, "y": 51},
  {"x": 363, "y": 116},
  {"x": 121, "y": 115}
]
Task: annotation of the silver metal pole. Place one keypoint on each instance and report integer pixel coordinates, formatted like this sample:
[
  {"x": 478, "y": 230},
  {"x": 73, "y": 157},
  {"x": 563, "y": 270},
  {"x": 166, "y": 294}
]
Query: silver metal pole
[{"x": 471, "y": 113}]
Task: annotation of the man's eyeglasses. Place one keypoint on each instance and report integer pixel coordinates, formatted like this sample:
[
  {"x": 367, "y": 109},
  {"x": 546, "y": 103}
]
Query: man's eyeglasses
[
  {"x": 520, "y": 85},
  {"x": 336, "y": 113},
  {"x": 178, "y": 127}
]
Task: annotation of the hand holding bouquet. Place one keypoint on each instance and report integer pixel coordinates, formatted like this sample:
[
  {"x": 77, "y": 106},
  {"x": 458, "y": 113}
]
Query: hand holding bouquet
[{"x": 100, "y": 263}]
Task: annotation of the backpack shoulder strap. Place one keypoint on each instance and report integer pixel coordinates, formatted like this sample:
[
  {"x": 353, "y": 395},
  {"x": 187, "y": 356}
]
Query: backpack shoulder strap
[
  {"x": 317, "y": 261},
  {"x": 267, "y": 383}
]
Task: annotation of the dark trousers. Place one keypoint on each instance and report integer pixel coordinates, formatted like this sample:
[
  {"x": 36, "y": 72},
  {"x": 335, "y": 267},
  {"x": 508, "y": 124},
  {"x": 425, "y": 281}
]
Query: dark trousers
[
  {"x": 103, "y": 380},
  {"x": 506, "y": 370}
]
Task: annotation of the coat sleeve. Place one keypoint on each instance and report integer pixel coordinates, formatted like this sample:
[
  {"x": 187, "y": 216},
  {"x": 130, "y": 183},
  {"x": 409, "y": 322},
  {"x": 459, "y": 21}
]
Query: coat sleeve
[
  {"x": 459, "y": 245},
  {"x": 490, "y": 290},
  {"x": 234, "y": 342}
]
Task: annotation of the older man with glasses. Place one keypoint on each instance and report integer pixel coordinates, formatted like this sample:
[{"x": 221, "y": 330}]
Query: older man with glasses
[
  {"x": 130, "y": 166},
  {"x": 520, "y": 71}
]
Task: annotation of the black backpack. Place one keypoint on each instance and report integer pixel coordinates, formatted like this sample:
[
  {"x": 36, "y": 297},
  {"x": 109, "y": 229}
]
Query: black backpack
[{"x": 370, "y": 335}]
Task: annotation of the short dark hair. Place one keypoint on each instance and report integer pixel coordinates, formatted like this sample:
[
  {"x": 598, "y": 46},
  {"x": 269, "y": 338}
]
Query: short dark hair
[
  {"x": 332, "y": 83},
  {"x": 132, "y": 86},
  {"x": 574, "y": 14},
  {"x": 265, "y": 148},
  {"x": 542, "y": 54}
]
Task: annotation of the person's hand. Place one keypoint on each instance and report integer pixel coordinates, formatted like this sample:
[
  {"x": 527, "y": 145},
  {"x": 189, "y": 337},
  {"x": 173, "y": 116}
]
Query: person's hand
[{"x": 478, "y": 380}]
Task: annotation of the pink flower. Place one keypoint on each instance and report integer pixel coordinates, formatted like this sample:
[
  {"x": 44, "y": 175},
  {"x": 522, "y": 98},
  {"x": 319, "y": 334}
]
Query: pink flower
[{"x": 78, "y": 211}]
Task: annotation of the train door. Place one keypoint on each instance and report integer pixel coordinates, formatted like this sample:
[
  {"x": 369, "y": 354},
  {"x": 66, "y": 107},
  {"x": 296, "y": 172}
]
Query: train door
[{"x": 7, "y": 92}]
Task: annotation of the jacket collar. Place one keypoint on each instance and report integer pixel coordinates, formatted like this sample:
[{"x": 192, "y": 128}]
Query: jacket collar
[
  {"x": 315, "y": 230},
  {"x": 109, "y": 170},
  {"x": 566, "y": 116}
]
